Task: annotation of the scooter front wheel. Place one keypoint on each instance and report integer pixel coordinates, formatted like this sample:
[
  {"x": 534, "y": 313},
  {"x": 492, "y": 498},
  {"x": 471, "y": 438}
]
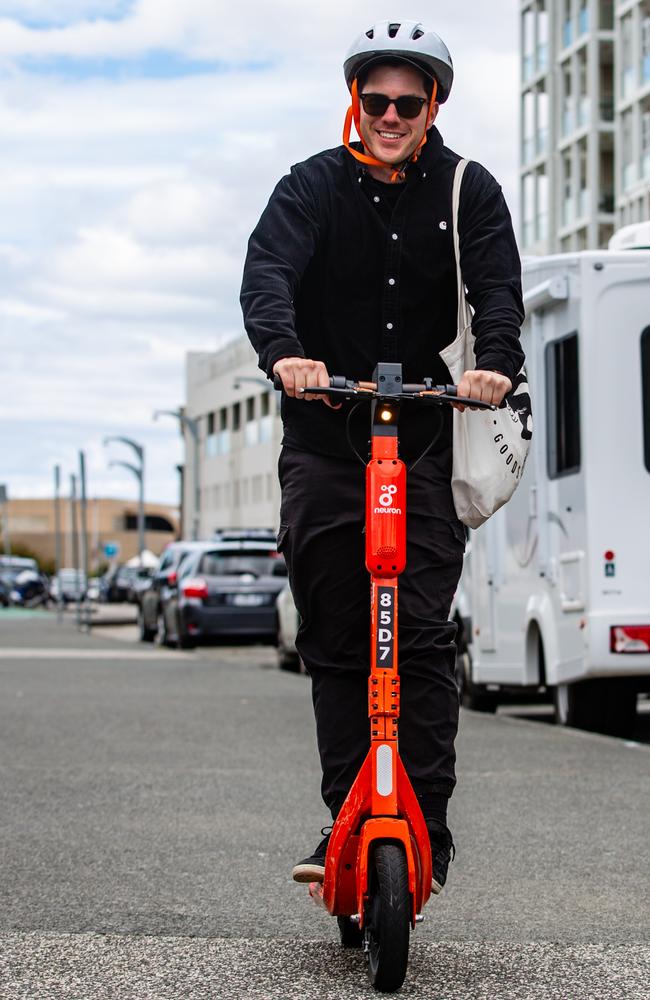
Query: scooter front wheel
[{"x": 388, "y": 918}]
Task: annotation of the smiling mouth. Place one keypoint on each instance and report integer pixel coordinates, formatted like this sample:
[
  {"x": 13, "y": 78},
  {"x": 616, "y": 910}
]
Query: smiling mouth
[{"x": 390, "y": 135}]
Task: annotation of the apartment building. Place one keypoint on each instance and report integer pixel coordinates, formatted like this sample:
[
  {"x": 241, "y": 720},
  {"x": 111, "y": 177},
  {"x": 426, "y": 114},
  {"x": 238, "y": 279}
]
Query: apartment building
[
  {"x": 584, "y": 121},
  {"x": 237, "y": 412}
]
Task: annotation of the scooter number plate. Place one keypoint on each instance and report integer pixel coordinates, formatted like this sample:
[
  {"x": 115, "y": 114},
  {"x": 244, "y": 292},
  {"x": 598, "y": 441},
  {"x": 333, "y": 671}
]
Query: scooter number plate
[{"x": 385, "y": 627}]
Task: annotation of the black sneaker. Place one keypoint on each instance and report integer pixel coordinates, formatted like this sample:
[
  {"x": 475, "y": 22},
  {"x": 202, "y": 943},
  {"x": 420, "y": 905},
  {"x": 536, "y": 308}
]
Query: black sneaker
[
  {"x": 442, "y": 852},
  {"x": 312, "y": 869}
]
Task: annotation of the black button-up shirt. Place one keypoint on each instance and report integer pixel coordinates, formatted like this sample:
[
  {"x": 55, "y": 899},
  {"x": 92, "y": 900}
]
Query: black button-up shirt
[{"x": 349, "y": 271}]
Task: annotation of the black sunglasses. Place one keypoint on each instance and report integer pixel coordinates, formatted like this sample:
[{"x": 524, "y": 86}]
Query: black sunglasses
[{"x": 406, "y": 106}]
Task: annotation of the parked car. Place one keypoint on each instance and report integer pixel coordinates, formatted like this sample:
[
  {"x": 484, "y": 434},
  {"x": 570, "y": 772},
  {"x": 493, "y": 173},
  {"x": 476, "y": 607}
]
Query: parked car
[
  {"x": 5, "y": 590},
  {"x": 117, "y": 583},
  {"x": 69, "y": 583},
  {"x": 29, "y": 590},
  {"x": 226, "y": 589},
  {"x": 288, "y": 621},
  {"x": 151, "y": 621}
]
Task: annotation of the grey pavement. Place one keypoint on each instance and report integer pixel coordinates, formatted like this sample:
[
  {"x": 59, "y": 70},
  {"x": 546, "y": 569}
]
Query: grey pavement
[{"x": 153, "y": 804}]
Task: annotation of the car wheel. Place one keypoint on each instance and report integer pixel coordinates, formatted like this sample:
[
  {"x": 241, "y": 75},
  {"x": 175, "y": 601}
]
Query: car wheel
[
  {"x": 183, "y": 640},
  {"x": 145, "y": 634},
  {"x": 473, "y": 696},
  {"x": 161, "y": 638}
]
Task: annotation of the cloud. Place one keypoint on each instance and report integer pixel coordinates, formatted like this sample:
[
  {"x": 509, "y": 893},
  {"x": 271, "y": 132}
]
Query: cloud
[{"x": 128, "y": 197}]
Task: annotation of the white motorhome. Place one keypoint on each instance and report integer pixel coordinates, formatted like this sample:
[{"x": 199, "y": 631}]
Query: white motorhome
[{"x": 558, "y": 580}]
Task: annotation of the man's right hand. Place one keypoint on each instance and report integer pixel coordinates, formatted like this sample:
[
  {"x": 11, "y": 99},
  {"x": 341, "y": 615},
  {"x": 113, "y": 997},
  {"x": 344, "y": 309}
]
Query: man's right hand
[{"x": 303, "y": 373}]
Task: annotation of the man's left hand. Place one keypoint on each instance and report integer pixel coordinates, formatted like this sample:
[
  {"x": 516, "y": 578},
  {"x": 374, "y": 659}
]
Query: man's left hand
[{"x": 489, "y": 387}]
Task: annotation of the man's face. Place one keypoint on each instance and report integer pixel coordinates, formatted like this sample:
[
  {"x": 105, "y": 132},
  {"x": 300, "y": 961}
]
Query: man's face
[{"x": 388, "y": 137}]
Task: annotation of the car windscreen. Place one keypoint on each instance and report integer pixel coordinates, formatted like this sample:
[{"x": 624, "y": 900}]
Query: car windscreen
[{"x": 236, "y": 563}]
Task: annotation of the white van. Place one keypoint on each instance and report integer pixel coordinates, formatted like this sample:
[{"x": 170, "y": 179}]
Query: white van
[{"x": 558, "y": 580}]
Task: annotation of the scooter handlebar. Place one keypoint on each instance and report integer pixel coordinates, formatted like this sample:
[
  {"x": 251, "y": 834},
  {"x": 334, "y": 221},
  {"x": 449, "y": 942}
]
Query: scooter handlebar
[{"x": 425, "y": 391}]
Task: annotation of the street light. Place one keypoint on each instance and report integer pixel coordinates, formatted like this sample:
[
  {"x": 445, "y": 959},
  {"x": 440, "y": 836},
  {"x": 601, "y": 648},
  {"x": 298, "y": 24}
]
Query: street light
[
  {"x": 258, "y": 381},
  {"x": 138, "y": 472},
  {"x": 193, "y": 427}
]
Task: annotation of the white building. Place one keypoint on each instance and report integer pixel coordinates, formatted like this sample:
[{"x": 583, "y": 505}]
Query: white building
[
  {"x": 585, "y": 121},
  {"x": 240, "y": 431}
]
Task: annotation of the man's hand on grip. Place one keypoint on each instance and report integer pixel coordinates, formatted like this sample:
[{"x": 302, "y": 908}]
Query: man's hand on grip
[{"x": 303, "y": 373}]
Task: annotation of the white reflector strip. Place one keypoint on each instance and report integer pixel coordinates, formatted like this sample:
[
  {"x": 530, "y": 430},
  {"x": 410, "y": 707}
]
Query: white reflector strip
[{"x": 384, "y": 770}]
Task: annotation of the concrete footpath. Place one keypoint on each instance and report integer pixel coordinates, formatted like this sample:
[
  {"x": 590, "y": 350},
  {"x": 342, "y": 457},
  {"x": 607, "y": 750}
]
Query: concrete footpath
[{"x": 153, "y": 803}]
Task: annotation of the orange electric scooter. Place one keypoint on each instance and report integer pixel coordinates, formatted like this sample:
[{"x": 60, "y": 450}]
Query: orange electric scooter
[{"x": 378, "y": 862}]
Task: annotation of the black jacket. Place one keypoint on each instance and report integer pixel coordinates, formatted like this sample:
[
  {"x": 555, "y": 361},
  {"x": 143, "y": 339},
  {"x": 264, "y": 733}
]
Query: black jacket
[{"x": 349, "y": 271}]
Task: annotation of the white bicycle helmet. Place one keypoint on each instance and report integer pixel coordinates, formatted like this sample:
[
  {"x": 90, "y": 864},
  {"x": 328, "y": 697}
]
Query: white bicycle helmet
[{"x": 408, "y": 41}]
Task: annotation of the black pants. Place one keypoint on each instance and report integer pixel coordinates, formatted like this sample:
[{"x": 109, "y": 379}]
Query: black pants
[{"x": 321, "y": 536}]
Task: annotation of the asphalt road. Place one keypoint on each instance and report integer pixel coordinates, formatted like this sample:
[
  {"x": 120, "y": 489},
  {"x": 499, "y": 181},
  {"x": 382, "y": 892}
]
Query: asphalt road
[{"x": 153, "y": 804}]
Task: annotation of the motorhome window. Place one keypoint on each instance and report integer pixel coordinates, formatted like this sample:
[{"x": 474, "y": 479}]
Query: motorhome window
[
  {"x": 645, "y": 391},
  {"x": 563, "y": 407}
]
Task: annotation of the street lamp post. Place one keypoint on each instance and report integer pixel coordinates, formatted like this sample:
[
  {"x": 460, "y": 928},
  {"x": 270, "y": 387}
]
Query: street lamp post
[
  {"x": 138, "y": 472},
  {"x": 188, "y": 423},
  {"x": 258, "y": 380},
  {"x": 5, "y": 519}
]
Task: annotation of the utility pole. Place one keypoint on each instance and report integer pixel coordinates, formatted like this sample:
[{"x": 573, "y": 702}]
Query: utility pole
[
  {"x": 138, "y": 472},
  {"x": 84, "y": 538},
  {"x": 191, "y": 425},
  {"x": 57, "y": 541},
  {"x": 75, "y": 543},
  {"x": 4, "y": 500}
]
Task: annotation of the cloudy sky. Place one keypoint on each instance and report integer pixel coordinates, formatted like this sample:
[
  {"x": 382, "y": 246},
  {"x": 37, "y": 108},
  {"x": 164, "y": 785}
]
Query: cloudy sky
[{"x": 140, "y": 142}]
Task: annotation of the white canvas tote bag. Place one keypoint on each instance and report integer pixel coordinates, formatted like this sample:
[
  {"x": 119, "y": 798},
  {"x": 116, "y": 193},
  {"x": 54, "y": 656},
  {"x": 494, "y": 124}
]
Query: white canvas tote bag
[{"x": 489, "y": 447}]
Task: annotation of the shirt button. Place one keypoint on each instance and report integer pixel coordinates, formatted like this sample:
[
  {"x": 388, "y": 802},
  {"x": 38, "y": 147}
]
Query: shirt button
[
  {"x": 389, "y": 326},
  {"x": 376, "y": 198},
  {"x": 391, "y": 281},
  {"x": 394, "y": 236}
]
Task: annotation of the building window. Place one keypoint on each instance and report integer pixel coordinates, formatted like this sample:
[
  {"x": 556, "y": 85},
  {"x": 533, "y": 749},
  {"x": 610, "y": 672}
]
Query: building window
[
  {"x": 583, "y": 90},
  {"x": 542, "y": 205},
  {"x": 583, "y": 189},
  {"x": 542, "y": 37},
  {"x": 628, "y": 166},
  {"x": 563, "y": 407},
  {"x": 567, "y": 24},
  {"x": 567, "y": 190},
  {"x": 528, "y": 44},
  {"x": 567, "y": 99},
  {"x": 266, "y": 420},
  {"x": 236, "y": 416},
  {"x": 223, "y": 439},
  {"x": 645, "y": 46},
  {"x": 528, "y": 130},
  {"x": 251, "y": 430},
  {"x": 211, "y": 437},
  {"x": 645, "y": 143},
  {"x": 256, "y": 488},
  {"x": 606, "y": 15},
  {"x": 645, "y": 392},
  {"x": 583, "y": 17},
  {"x": 528, "y": 198},
  {"x": 627, "y": 55},
  {"x": 542, "y": 121},
  {"x": 269, "y": 486}
]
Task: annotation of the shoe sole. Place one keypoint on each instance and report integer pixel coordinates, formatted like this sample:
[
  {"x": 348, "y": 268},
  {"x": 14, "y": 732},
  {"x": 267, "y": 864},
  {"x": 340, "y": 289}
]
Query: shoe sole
[
  {"x": 308, "y": 873},
  {"x": 436, "y": 887}
]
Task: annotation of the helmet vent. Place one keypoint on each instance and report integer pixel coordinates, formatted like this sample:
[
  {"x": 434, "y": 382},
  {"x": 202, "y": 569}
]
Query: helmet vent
[
  {"x": 393, "y": 29},
  {"x": 417, "y": 34},
  {"x": 370, "y": 33}
]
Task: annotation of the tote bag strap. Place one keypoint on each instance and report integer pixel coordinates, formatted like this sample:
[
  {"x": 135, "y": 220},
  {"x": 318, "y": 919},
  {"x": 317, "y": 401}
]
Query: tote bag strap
[{"x": 464, "y": 314}]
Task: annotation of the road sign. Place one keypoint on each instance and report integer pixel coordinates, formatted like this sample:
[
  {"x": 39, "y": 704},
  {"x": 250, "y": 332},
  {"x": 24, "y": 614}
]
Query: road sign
[{"x": 111, "y": 549}]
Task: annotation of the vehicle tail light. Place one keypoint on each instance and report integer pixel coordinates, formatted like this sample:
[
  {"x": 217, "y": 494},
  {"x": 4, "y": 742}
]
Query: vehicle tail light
[
  {"x": 629, "y": 639},
  {"x": 195, "y": 587},
  {"x": 172, "y": 577}
]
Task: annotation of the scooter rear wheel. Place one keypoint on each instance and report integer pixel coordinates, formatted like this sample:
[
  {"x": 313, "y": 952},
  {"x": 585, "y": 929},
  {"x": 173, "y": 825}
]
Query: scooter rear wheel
[{"x": 388, "y": 918}]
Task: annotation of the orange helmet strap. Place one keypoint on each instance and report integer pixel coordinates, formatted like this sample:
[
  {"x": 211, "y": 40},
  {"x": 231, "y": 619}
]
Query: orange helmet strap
[{"x": 354, "y": 113}]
